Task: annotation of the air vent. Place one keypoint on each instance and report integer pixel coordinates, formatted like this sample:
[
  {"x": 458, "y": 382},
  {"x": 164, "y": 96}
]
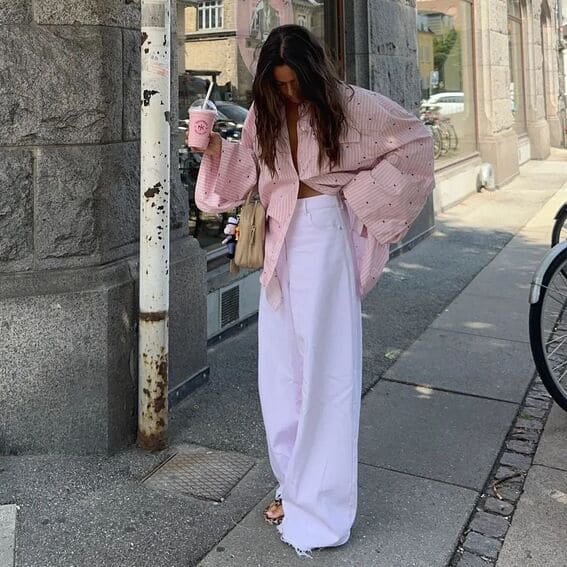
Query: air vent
[{"x": 230, "y": 308}]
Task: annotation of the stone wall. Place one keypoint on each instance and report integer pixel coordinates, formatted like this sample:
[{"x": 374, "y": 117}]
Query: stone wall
[
  {"x": 69, "y": 215},
  {"x": 393, "y": 51},
  {"x": 551, "y": 71},
  {"x": 536, "y": 123},
  {"x": 498, "y": 141}
]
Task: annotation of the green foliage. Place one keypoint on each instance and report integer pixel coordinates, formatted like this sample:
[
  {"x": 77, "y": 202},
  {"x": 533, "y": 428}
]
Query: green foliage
[{"x": 442, "y": 47}]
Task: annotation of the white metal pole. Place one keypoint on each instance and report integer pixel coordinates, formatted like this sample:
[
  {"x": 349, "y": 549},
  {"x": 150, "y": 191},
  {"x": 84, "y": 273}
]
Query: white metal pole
[{"x": 154, "y": 225}]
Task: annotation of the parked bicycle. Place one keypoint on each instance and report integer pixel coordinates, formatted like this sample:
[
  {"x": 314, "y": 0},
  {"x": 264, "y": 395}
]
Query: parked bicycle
[
  {"x": 548, "y": 314},
  {"x": 444, "y": 134}
]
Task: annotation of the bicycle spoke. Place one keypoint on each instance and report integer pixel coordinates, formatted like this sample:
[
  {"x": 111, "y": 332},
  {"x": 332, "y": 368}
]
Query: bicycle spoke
[
  {"x": 554, "y": 340},
  {"x": 560, "y": 301},
  {"x": 560, "y": 380},
  {"x": 550, "y": 354},
  {"x": 561, "y": 274},
  {"x": 553, "y": 318}
]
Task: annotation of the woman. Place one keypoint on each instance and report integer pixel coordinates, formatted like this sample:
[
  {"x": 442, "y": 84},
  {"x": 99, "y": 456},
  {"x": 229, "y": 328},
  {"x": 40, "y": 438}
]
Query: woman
[{"x": 342, "y": 172}]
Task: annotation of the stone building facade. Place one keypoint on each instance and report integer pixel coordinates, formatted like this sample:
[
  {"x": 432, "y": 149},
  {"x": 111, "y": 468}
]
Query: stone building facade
[
  {"x": 69, "y": 173},
  {"x": 69, "y": 225},
  {"x": 499, "y": 141},
  {"x": 511, "y": 90}
]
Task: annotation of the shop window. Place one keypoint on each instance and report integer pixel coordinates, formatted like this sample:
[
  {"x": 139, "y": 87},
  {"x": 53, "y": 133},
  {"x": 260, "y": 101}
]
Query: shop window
[
  {"x": 516, "y": 61},
  {"x": 210, "y": 15},
  {"x": 446, "y": 70},
  {"x": 228, "y": 60}
]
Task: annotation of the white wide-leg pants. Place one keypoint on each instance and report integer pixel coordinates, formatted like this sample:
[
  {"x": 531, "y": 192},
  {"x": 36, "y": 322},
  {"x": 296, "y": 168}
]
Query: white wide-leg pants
[{"x": 310, "y": 370}]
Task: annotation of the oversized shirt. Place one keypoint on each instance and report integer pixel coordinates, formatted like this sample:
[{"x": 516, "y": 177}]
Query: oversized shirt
[{"x": 385, "y": 175}]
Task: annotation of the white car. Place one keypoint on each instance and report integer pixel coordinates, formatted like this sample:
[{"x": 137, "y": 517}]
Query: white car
[{"x": 446, "y": 103}]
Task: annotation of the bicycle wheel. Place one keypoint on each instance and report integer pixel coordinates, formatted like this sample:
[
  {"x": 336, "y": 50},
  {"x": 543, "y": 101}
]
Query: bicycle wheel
[
  {"x": 436, "y": 141},
  {"x": 443, "y": 138},
  {"x": 548, "y": 329},
  {"x": 559, "y": 233},
  {"x": 454, "y": 137}
]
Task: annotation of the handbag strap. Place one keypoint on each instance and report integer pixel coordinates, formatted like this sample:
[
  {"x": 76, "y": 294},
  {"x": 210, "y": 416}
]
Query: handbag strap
[
  {"x": 248, "y": 197},
  {"x": 251, "y": 194}
]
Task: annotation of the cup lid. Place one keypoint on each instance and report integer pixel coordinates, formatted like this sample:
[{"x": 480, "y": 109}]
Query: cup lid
[{"x": 199, "y": 104}]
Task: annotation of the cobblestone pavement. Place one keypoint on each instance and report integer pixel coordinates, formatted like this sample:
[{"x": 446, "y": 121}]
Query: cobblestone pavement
[{"x": 484, "y": 535}]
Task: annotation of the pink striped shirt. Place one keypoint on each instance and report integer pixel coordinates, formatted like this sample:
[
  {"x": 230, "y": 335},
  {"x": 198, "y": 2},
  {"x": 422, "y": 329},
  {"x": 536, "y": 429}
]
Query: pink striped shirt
[{"x": 385, "y": 174}]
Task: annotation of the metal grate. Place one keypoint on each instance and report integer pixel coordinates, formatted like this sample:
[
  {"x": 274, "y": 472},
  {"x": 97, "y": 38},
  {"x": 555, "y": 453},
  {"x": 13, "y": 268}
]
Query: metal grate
[
  {"x": 230, "y": 306},
  {"x": 210, "y": 475}
]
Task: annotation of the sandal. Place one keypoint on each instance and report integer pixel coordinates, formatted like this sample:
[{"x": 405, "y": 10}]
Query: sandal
[{"x": 277, "y": 520}]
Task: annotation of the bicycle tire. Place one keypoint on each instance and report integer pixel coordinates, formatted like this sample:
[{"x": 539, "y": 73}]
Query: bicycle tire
[
  {"x": 454, "y": 138},
  {"x": 554, "y": 386},
  {"x": 443, "y": 138},
  {"x": 436, "y": 141},
  {"x": 558, "y": 226}
]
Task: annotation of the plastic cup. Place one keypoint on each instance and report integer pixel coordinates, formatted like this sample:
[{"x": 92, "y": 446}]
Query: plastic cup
[{"x": 201, "y": 122}]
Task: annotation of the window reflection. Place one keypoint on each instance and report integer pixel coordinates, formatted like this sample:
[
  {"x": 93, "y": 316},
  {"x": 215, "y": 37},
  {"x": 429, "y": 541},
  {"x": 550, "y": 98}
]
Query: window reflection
[
  {"x": 444, "y": 35},
  {"x": 223, "y": 38}
]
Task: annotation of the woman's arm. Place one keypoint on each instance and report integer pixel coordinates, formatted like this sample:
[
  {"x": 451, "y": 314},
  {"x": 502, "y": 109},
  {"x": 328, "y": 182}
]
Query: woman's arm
[
  {"x": 389, "y": 197},
  {"x": 226, "y": 176}
]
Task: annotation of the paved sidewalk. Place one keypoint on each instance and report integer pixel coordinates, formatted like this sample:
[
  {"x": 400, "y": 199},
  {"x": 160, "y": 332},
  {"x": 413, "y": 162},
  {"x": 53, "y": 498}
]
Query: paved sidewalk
[
  {"x": 446, "y": 367},
  {"x": 433, "y": 428}
]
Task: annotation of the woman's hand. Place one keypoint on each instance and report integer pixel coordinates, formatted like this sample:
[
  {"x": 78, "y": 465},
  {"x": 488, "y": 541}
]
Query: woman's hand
[{"x": 213, "y": 149}]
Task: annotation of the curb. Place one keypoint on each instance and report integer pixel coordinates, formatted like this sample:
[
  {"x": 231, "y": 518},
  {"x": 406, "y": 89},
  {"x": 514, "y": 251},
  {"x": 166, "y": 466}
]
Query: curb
[{"x": 483, "y": 537}]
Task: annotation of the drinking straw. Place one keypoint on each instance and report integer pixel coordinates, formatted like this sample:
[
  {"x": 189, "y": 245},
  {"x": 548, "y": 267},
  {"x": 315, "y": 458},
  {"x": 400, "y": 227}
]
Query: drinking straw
[{"x": 208, "y": 95}]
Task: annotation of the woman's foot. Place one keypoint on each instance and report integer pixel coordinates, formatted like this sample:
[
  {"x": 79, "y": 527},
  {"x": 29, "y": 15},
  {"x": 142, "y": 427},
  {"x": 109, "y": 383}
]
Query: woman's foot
[{"x": 274, "y": 514}]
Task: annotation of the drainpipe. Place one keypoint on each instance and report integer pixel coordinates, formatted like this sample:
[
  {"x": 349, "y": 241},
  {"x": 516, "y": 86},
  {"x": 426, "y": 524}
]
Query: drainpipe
[
  {"x": 562, "y": 72},
  {"x": 154, "y": 225},
  {"x": 560, "y": 22}
]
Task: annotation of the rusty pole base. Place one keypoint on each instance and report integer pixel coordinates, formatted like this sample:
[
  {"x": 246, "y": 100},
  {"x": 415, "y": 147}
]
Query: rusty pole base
[{"x": 151, "y": 442}]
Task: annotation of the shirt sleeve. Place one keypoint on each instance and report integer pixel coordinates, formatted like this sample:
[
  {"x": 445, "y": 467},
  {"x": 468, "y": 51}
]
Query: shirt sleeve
[
  {"x": 388, "y": 197},
  {"x": 223, "y": 182}
]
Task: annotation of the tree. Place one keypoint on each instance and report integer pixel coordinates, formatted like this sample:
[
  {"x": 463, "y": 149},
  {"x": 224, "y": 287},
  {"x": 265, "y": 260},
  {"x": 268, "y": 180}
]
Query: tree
[{"x": 442, "y": 47}]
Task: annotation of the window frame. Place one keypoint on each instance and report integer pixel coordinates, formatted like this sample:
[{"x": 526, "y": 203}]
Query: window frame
[
  {"x": 453, "y": 161},
  {"x": 205, "y": 12},
  {"x": 520, "y": 127}
]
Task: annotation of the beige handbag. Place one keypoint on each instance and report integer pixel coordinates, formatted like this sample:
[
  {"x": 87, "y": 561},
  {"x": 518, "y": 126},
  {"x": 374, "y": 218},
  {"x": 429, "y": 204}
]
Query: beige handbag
[{"x": 252, "y": 225}]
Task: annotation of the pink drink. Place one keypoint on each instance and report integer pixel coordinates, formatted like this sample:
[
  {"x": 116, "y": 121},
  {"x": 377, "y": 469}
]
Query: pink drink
[{"x": 201, "y": 122}]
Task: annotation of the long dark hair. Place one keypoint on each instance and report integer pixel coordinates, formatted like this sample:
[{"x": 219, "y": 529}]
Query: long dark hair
[{"x": 320, "y": 85}]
